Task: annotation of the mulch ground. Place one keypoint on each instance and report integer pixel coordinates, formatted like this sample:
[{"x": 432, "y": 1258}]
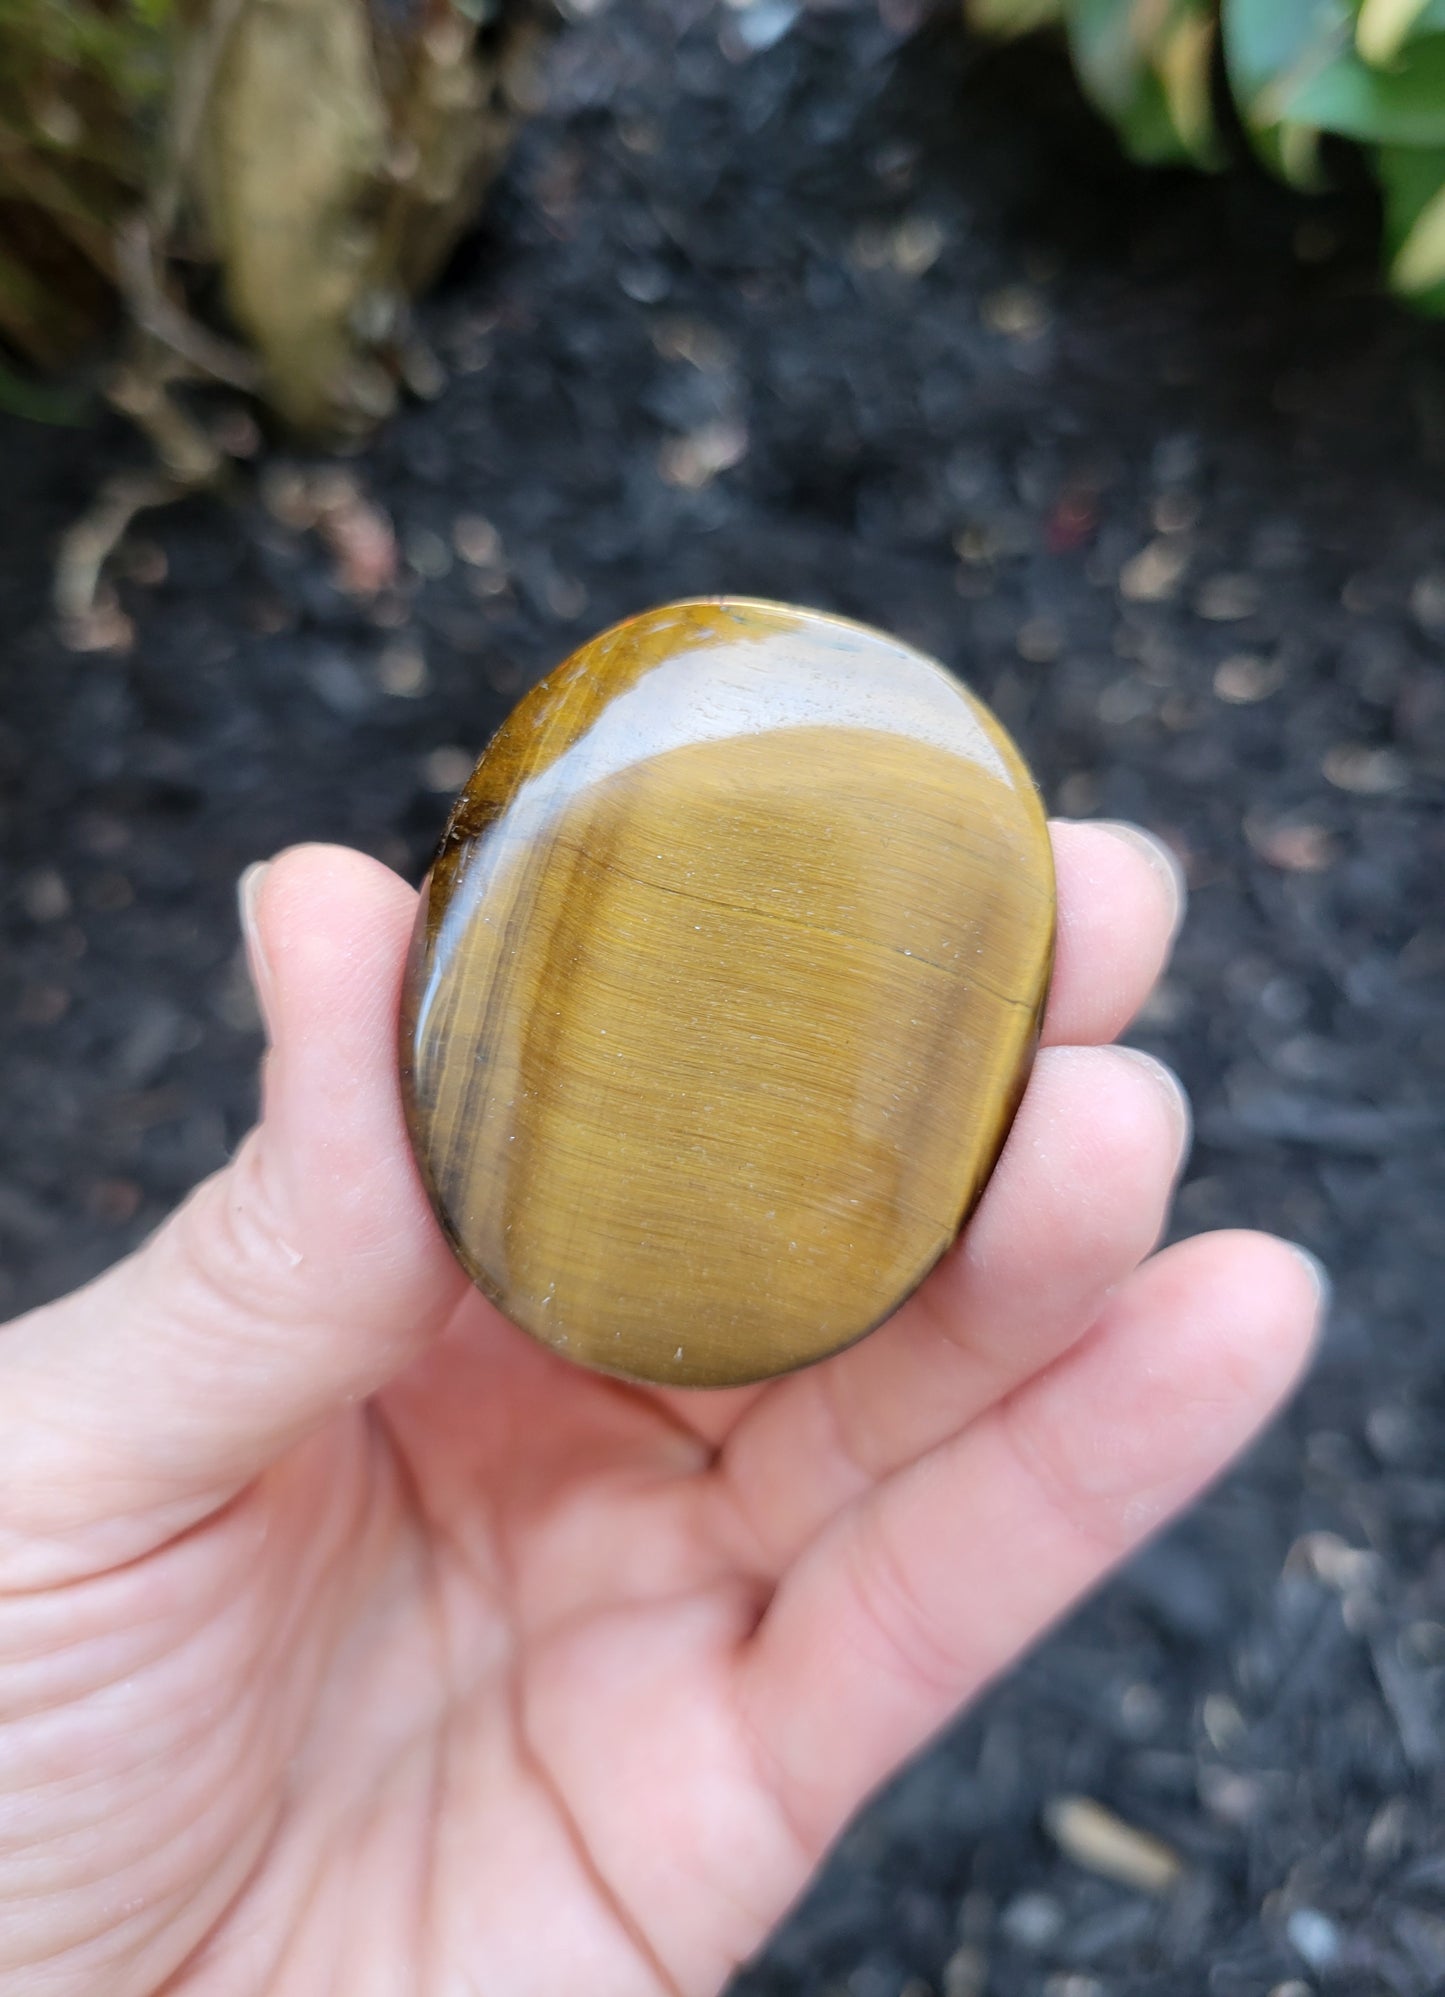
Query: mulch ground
[{"x": 808, "y": 304}]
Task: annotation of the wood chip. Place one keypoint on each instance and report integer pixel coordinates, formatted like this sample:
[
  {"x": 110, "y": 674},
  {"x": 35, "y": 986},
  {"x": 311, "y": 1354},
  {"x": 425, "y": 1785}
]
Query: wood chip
[
  {"x": 693, "y": 461},
  {"x": 1154, "y": 574},
  {"x": 1100, "y": 1842},
  {"x": 1243, "y": 679},
  {"x": 1364, "y": 771},
  {"x": 1293, "y": 848}
]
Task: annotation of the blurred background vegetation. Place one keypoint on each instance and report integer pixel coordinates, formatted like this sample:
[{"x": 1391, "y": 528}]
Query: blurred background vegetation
[
  {"x": 1170, "y": 75},
  {"x": 254, "y": 189},
  {"x": 251, "y": 190}
]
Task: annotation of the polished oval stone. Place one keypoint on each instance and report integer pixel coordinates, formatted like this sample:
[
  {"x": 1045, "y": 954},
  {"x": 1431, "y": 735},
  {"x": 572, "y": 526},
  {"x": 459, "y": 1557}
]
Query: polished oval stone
[{"x": 724, "y": 988}]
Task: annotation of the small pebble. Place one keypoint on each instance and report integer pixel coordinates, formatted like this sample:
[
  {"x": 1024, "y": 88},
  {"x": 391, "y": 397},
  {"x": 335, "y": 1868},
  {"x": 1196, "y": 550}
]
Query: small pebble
[
  {"x": 359, "y": 535},
  {"x": 965, "y": 1974},
  {"x": 401, "y": 671},
  {"x": 1346, "y": 1568},
  {"x": 1017, "y": 311},
  {"x": 427, "y": 554},
  {"x": 44, "y": 896},
  {"x": 1243, "y": 679},
  {"x": 422, "y": 372},
  {"x": 566, "y": 598},
  {"x": 1229, "y": 1797},
  {"x": 1079, "y": 795},
  {"x": 1293, "y": 848},
  {"x": 1393, "y": 1433},
  {"x": 1142, "y": 1709},
  {"x": 447, "y": 769},
  {"x": 1154, "y": 574},
  {"x": 917, "y": 245},
  {"x": 757, "y": 26},
  {"x": 476, "y": 540},
  {"x": 1314, "y": 1936},
  {"x": 1175, "y": 512},
  {"x": 1040, "y": 641},
  {"x": 1366, "y": 772},
  {"x": 1124, "y": 700},
  {"x": 1032, "y": 1920},
  {"x": 42, "y": 1005},
  {"x": 1427, "y": 601},
  {"x": 1388, "y": 1833},
  {"x": 1423, "y": 1643},
  {"x": 694, "y": 460},
  {"x": 114, "y": 1201},
  {"x": 1223, "y": 1722},
  {"x": 336, "y": 681}
]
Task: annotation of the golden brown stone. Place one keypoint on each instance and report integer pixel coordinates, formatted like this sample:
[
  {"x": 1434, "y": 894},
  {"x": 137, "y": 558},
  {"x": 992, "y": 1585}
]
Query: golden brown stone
[{"x": 724, "y": 989}]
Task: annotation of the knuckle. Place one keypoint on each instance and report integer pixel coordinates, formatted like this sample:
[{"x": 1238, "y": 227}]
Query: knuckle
[{"x": 231, "y": 1240}]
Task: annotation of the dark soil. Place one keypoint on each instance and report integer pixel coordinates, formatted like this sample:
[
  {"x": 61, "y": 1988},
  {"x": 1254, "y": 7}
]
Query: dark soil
[{"x": 877, "y": 321}]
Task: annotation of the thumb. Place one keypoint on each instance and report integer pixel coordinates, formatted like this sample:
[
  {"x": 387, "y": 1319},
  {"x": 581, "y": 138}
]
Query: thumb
[{"x": 297, "y": 1280}]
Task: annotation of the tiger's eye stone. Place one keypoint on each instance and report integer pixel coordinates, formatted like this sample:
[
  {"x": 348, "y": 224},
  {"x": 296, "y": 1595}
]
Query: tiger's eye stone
[{"x": 724, "y": 988}]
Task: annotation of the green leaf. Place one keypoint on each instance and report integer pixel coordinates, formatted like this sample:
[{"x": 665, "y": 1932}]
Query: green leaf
[
  {"x": 1292, "y": 152},
  {"x": 1385, "y": 27},
  {"x": 1012, "y": 17},
  {"x": 1295, "y": 62},
  {"x": 1106, "y": 53},
  {"x": 1413, "y": 180},
  {"x": 1403, "y": 106},
  {"x": 1265, "y": 40},
  {"x": 1145, "y": 64},
  {"x": 1185, "y": 67},
  {"x": 1147, "y": 128}
]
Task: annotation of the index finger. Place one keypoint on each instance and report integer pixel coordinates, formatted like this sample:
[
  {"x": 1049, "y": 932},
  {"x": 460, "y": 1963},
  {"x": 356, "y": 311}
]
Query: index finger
[{"x": 1121, "y": 900}]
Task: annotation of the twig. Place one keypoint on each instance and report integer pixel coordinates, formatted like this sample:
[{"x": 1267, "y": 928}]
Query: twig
[
  {"x": 90, "y": 543},
  {"x": 137, "y": 270},
  {"x": 191, "y": 460}
]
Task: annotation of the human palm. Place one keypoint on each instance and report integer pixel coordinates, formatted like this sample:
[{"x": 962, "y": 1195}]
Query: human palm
[{"x": 351, "y": 1642}]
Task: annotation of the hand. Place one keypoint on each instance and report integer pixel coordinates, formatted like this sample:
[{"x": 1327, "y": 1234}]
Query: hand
[{"x": 351, "y": 1642}]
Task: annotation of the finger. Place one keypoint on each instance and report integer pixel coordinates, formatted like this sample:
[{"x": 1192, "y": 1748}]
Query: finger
[
  {"x": 1121, "y": 900},
  {"x": 293, "y": 1282},
  {"x": 1078, "y": 1199},
  {"x": 913, "y": 1602}
]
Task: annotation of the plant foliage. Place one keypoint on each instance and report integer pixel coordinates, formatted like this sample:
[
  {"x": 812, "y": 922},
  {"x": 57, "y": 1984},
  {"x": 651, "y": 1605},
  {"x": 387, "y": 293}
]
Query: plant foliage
[
  {"x": 1368, "y": 70},
  {"x": 80, "y": 83},
  {"x": 257, "y": 186}
]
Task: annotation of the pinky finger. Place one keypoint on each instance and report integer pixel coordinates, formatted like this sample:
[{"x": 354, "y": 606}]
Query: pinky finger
[{"x": 918, "y": 1597}]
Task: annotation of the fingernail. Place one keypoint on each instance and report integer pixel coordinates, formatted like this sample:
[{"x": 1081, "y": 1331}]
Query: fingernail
[
  {"x": 1164, "y": 863},
  {"x": 1320, "y": 1277},
  {"x": 248, "y": 890},
  {"x": 1168, "y": 1085}
]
